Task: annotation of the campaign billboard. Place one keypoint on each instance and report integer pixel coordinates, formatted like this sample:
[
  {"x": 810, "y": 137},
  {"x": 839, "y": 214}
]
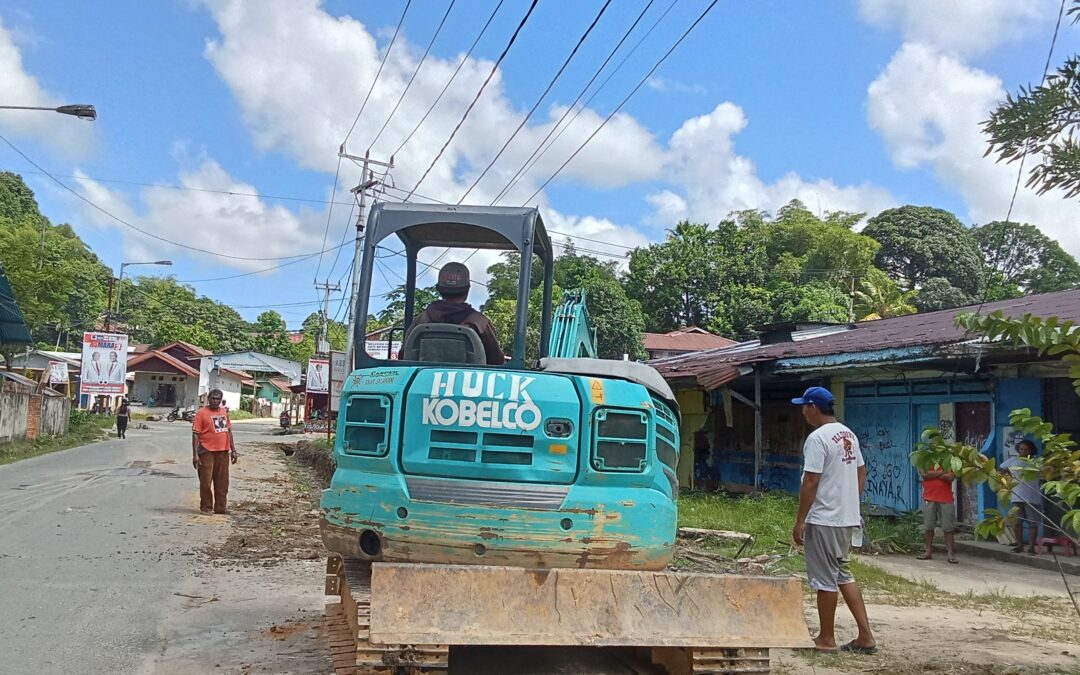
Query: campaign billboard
[
  {"x": 318, "y": 376},
  {"x": 104, "y": 364},
  {"x": 58, "y": 372},
  {"x": 382, "y": 349}
]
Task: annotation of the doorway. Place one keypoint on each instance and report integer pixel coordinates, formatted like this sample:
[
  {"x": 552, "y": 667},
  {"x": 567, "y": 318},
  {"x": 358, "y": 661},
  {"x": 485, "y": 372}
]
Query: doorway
[{"x": 972, "y": 428}]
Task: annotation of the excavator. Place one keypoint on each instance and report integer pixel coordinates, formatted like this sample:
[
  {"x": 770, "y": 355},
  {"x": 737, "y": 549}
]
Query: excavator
[{"x": 532, "y": 503}]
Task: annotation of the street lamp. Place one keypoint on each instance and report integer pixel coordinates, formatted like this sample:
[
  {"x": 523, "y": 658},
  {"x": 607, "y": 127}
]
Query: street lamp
[
  {"x": 120, "y": 281},
  {"x": 82, "y": 111}
]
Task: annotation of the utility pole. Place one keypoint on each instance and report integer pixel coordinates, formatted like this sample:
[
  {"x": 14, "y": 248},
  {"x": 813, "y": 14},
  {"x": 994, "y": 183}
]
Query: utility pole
[
  {"x": 323, "y": 345},
  {"x": 367, "y": 182}
]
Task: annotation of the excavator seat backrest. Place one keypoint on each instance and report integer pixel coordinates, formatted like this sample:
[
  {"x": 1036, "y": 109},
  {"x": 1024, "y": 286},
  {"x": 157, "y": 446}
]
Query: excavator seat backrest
[{"x": 444, "y": 343}]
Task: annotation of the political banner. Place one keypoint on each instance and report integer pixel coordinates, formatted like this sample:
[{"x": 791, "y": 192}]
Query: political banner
[
  {"x": 381, "y": 349},
  {"x": 104, "y": 364},
  {"x": 318, "y": 376},
  {"x": 58, "y": 372}
]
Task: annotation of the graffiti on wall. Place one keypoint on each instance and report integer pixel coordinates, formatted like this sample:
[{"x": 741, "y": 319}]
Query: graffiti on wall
[{"x": 887, "y": 471}]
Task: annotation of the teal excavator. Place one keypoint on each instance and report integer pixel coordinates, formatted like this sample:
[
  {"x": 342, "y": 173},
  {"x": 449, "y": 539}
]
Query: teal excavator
[{"x": 531, "y": 503}]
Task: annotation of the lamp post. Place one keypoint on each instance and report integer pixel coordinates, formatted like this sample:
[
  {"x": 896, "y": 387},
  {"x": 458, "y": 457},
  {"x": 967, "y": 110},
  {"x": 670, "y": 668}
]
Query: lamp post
[
  {"x": 82, "y": 111},
  {"x": 120, "y": 281}
]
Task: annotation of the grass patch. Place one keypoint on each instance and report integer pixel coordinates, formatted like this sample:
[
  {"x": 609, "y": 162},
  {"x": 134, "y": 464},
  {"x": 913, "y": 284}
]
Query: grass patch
[
  {"x": 240, "y": 415},
  {"x": 80, "y": 433}
]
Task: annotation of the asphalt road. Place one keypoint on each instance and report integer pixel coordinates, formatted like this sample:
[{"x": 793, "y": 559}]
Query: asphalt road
[{"x": 99, "y": 563}]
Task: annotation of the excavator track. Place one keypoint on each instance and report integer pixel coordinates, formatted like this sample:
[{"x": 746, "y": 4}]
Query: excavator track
[{"x": 348, "y": 618}]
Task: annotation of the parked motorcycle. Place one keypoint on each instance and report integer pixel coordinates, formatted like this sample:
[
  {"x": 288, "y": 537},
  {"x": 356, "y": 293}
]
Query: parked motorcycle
[
  {"x": 285, "y": 420},
  {"x": 175, "y": 414}
]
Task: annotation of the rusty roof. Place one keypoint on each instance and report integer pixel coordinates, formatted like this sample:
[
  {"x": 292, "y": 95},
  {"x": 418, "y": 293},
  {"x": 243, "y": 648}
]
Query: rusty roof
[
  {"x": 692, "y": 339},
  {"x": 714, "y": 368}
]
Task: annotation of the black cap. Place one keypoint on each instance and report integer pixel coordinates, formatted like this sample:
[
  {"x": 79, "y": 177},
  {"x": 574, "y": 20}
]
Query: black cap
[{"x": 453, "y": 279}]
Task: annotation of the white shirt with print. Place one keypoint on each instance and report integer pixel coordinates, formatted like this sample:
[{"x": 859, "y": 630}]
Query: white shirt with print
[{"x": 832, "y": 450}]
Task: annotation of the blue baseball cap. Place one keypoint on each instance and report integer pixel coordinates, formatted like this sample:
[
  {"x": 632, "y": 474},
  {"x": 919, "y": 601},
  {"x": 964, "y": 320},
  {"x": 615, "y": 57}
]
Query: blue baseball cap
[{"x": 817, "y": 396}]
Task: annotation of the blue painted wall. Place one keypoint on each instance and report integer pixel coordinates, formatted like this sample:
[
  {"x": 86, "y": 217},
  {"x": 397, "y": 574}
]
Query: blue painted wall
[{"x": 1011, "y": 394}]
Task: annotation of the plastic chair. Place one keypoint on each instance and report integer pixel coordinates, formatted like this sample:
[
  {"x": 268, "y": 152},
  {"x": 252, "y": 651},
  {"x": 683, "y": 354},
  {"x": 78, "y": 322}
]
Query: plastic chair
[{"x": 1064, "y": 542}]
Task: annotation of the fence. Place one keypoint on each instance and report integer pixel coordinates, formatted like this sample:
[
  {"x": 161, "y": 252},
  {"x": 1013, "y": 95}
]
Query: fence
[{"x": 28, "y": 416}]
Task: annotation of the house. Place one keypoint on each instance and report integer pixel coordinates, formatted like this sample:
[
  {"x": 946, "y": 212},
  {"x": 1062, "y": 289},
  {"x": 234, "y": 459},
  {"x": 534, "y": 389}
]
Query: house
[
  {"x": 158, "y": 379},
  {"x": 274, "y": 395},
  {"x": 892, "y": 378},
  {"x": 683, "y": 341}
]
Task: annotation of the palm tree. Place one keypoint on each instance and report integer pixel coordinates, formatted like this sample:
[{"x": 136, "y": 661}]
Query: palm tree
[{"x": 879, "y": 297}]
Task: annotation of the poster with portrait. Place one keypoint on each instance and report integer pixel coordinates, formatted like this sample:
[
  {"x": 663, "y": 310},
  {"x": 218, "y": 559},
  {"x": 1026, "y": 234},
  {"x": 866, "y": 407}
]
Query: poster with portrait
[
  {"x": 318, "y": 376},
  {"x": 58, "y": 372},
  {"x": 104, "y": 364}
]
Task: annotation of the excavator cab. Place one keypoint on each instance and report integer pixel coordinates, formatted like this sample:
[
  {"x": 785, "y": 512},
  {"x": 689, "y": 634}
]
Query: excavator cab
[{"x": 465, "y": 227}]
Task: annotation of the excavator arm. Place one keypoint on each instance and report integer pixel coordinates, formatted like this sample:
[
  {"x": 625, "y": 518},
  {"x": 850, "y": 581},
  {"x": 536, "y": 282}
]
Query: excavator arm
[{"x": 572, "y": 332}]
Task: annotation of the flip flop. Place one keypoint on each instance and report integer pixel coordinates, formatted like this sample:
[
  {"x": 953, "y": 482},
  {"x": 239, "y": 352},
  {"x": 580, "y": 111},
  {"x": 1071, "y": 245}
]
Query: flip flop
[
  {"x": 924, "y": 556},
  {"x": 859, "y": 649},
  {"x": 954, "y": 561}
]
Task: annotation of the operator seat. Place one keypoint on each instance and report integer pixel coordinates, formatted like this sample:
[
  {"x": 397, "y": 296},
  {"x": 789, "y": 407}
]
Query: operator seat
[{"x": 444, "y": 343}]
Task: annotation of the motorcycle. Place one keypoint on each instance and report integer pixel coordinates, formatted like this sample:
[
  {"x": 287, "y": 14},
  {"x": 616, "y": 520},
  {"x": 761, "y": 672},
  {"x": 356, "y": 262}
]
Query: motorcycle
[
  {"x": 285, "y": 420},
  {"x": 186, "y": 415}
]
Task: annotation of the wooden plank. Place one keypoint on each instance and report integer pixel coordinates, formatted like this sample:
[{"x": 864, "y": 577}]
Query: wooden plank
[{"x": 716, "y": 534}]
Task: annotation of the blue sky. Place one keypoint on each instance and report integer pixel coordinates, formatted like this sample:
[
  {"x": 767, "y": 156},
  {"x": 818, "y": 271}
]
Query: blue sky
[{"x": 857, "y": 106}]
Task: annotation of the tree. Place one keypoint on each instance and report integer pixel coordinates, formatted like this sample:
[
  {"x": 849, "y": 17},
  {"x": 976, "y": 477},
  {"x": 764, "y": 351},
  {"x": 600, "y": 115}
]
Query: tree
[
  {"x": 618, "y": 320},
  {"x": 919, "y": 243},
  {"x": 937, "y": 293},
  {"x": 394, "y": 312},
  {"x": 1024, "y": 260},
  {"x": 272, "y": 335},
  {"x": 879, "y": 297}
]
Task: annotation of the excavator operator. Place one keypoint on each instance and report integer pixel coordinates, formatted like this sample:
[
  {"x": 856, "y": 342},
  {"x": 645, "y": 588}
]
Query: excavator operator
[{"x": 453, "y": 286}]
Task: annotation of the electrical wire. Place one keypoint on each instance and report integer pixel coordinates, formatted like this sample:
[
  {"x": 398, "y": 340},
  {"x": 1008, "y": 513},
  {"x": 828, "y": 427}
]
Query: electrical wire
[
  {"x": 139, "y": 229},
  {"x": 539, "y": 100},
  {"x": 386, "y": 56},
  {"x": 494, "y": 68},
  {"x": 413, "y": 77},
  {"x": 457, "y": 70},
  {"x": 231, "y": 193},
  {"x": 329, "y": 213},
  {"x": 624, "y": 101},
  {"x": 266, "y": 269},
  {"x": 538, "y": 154}
]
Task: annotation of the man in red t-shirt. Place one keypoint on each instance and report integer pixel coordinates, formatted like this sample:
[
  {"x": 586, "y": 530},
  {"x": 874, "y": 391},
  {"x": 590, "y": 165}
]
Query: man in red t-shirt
[
  {"x": 938, "y": 510},
  {"x": 212, "y": 448}
]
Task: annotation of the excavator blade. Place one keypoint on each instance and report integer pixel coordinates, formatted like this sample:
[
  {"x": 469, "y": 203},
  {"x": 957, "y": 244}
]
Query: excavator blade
[{"x": 488, "y": 605}]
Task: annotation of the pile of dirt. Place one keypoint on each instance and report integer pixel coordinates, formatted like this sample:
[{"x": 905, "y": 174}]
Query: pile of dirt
[{"x": 320, "y": 459}]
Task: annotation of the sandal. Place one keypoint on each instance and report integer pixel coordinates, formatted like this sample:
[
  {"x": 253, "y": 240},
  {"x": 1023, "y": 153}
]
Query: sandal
[
  {"x": 859, "y": 649},
  {"x": 954, "y": 561},
  {"x": 924, "y": 556}
]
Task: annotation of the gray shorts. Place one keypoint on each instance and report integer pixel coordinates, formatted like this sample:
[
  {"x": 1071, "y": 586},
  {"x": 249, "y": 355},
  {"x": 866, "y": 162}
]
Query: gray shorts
[
  {"x": 939, "y": 514},
  {"x": 1027, "y": 512},
  {"x": 828, "y": 565}
]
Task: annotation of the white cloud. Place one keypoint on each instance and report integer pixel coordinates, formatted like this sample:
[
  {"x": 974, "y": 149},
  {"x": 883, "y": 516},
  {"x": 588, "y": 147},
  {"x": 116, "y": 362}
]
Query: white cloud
[
  {"x": 18, "y": 87},
  {"x": 714, "y": 180},
  {"x": 240, "y": 226},
  {"x": 963, "y": 27},
  {"x": 301, "y": 74},
  {"x": 928, "y": 107},
  {"x": 664, "y": 85}
]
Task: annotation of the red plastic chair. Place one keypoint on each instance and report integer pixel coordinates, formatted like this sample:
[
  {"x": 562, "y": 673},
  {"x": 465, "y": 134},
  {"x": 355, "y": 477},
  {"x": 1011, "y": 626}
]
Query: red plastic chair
[{"x": 1065, "y": 543}]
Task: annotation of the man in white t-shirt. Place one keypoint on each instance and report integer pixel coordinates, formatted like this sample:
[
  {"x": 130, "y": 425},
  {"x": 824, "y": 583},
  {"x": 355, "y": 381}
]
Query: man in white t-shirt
[{"x": 832, "y": 484}]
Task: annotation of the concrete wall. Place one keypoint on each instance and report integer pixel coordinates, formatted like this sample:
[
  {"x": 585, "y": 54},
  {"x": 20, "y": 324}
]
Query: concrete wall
[
  {"x": 14, "y": 408},
  {"x": 55, "y": 411}
]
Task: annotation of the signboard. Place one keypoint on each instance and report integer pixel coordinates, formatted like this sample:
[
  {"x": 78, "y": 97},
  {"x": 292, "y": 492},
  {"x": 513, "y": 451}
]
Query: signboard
[
  {"x": 104, "y": 364},
  {"x": 58, "y": 372},
  {"x": 381, "y": 349},
  {"x": 318, "y": 376},
  {"x": 338, "y": 371}
]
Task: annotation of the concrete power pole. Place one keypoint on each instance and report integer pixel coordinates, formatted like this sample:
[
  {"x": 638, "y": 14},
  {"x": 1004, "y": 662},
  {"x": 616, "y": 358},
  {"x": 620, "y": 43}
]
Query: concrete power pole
[
  {"x": 323, "y": 345},
  {"x": 367, "y": 182}
]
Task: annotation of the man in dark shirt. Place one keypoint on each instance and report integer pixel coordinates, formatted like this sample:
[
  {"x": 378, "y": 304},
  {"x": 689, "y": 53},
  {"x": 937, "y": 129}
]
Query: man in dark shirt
[{"x": 453, "y": 286}]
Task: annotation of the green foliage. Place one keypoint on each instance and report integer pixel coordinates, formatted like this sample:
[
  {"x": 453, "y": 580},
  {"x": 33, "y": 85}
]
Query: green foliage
[
  {"x": 1024, "y": 260},
  {"x": 1041, "y": 123},
  {"x": 394, "y": 312},
  {"x": 919, "y": 243},
  {"x": 937, "y": 293},
  {"x": 879, "y": 297},
  {"x": 272, "y": 336},
  {"x": 158, "y": 311}
]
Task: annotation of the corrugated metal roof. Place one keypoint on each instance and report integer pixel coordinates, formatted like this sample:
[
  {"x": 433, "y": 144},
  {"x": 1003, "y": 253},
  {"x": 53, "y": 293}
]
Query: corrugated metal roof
[
  {"x": 716, "y": 367},
  {"x": 685, "y": 340}
]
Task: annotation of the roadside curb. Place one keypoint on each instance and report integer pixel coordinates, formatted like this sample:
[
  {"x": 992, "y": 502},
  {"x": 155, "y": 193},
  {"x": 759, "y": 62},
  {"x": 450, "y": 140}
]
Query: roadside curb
[{"x": 1042, "y": 561}]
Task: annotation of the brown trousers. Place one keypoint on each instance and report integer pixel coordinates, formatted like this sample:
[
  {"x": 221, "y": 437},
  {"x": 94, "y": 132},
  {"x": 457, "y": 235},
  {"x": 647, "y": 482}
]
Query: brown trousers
[{"x": 213, "y": 481}]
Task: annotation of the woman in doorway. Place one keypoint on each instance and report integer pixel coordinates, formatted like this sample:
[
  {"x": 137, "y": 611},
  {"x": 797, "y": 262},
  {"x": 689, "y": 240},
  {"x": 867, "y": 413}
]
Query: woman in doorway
[{"x": 122, "y": 413}]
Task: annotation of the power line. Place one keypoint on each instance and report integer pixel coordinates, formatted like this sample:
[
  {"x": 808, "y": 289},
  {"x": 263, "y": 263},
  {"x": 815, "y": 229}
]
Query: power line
[
  {"x": 386, "y": 56},
  {"x": 329, "y": 213},
  {"x": 494, "y": 68},
  {"x": 231, "y": 193},
  {"x": 624, "y": 101},
  {"x": 463, "y": 61},
  {"x": 139, "y": 229},
  {"x": 266, "y": 269},
  {"x": 539, "y": 100},
  {"x": 413, "y": 77},
  {"x": 540, "y": 151}
]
